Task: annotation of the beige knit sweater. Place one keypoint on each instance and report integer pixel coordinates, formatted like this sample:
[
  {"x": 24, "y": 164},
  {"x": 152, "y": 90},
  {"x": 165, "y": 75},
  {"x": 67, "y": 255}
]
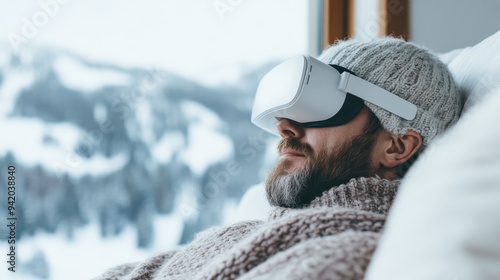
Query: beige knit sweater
[{"x": 332, "y": 238}]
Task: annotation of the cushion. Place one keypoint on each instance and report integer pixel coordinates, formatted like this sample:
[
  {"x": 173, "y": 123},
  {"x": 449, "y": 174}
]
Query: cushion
[
  {"x": 445, "y": 221},
  {"x": 476, "y": 69},
  {"x": 253, "y": 205}
]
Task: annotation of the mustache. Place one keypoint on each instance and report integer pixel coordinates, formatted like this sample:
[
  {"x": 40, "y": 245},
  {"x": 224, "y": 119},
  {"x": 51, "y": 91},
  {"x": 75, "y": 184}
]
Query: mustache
[{"x": 295, "y": 145}]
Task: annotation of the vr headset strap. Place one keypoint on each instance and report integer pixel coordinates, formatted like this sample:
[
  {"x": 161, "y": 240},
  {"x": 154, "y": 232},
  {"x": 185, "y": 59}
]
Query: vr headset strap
[{"x": 377, "y": 95}]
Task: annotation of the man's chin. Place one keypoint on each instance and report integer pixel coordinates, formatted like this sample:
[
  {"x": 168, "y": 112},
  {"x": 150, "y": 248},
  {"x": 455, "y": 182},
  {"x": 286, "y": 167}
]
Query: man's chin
[{"x": 286, "y": 182}]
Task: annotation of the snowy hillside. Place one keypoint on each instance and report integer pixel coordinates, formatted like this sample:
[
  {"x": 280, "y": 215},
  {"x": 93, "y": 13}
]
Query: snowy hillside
[{"x": 112, "y": 151}]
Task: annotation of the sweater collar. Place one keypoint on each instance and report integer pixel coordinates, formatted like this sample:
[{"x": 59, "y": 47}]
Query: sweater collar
[{"x": 371, "y": 194}]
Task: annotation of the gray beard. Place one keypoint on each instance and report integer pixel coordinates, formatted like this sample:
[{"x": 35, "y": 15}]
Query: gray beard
[
  {"x": 287, "y": 187},
  {"x": 319, "y": 173}
]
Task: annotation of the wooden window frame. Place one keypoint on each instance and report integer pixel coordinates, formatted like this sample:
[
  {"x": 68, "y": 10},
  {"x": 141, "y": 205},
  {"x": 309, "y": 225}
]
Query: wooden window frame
[
  {"x": 394, "y": 16},
  {"x": 338, "y": 19}
]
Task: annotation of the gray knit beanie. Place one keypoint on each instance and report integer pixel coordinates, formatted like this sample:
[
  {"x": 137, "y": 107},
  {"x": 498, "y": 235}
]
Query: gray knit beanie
[{"x": 408, "y": 71}]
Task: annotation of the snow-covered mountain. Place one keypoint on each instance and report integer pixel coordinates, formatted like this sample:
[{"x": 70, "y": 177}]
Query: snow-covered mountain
[{"x": 99, "y": 143}]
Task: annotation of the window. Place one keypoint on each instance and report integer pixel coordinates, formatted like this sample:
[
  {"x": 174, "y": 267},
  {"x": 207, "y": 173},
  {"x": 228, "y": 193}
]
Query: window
[{"x": 129, "y": 122}]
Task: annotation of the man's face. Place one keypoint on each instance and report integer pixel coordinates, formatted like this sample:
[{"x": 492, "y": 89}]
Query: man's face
[{"x": 313, "y": 160}]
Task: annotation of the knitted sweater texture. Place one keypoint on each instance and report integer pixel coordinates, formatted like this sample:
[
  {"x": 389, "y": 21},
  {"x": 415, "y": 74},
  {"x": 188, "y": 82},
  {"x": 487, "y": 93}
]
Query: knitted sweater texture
[{"x": 333, "y": 237}]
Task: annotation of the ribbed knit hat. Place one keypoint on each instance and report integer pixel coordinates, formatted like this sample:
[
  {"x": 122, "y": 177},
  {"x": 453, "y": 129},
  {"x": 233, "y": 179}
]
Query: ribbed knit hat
[{"x": 408, "y": 71}]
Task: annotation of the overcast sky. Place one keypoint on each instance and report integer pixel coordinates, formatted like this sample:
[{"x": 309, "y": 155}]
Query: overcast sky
[{"x": 192, "y": 38}]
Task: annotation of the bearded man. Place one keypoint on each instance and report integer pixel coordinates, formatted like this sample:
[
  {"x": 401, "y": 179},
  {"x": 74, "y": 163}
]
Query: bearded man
[{"x": 334, "y": 182}]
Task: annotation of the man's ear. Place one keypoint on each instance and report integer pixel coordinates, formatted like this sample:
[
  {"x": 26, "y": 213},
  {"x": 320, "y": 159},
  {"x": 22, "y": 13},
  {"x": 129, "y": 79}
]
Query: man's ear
[{"x": 399, "y": 149}]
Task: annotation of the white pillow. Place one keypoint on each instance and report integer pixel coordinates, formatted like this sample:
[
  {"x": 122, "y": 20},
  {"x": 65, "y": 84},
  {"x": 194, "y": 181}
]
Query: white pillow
[
  {"x": 476, "y": 69},
  {"x": 445, "y": 221},
  {"x": 253, "y": 205}
]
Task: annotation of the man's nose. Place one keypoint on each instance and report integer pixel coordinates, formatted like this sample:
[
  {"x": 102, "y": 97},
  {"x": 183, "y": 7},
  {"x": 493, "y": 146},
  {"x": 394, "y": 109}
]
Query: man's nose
[{"x": 288, "y": 128}]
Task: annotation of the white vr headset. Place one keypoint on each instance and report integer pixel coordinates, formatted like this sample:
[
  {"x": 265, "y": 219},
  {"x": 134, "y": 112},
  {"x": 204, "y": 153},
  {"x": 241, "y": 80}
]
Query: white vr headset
[{"x": 314, "y": 94}]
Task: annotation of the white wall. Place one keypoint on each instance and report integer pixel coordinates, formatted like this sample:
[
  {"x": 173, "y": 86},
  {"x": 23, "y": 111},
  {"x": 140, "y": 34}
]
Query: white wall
[
  {"x": 440, "y": 25},
  {"x": 443, "y": 25},
  {"x": 366, "y": 20}
]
